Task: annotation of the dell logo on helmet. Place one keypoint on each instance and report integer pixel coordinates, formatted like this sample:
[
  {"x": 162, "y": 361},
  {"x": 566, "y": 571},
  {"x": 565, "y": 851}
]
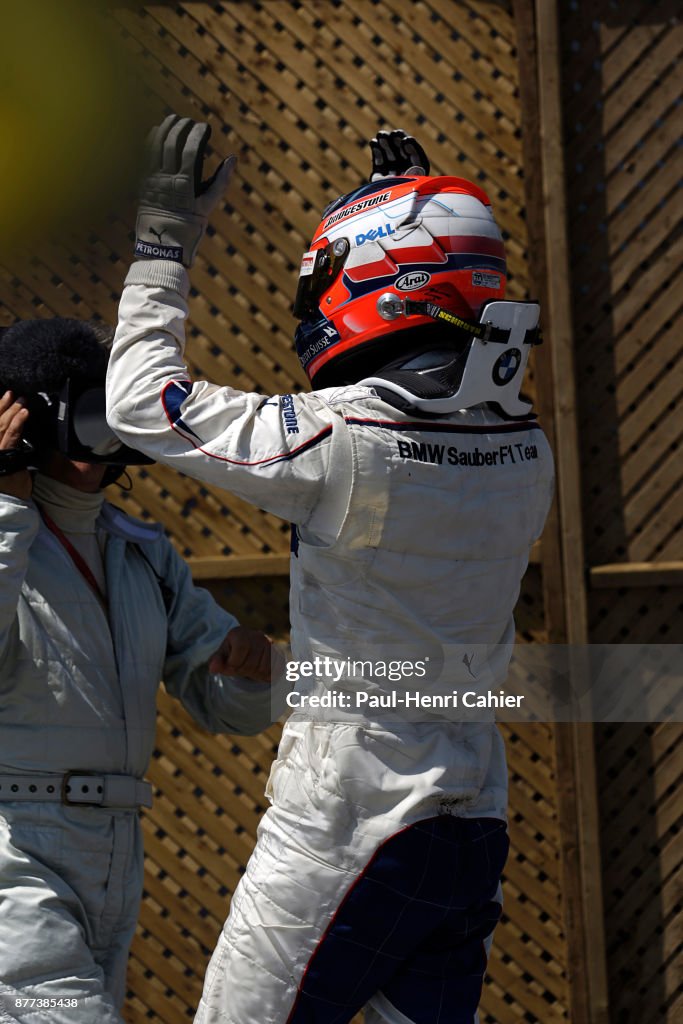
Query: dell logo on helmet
[{"x": 416, "y": 279}]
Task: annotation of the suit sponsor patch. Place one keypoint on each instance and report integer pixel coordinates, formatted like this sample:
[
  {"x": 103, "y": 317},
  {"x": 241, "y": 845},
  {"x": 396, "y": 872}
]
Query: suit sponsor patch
[
  {"x": 441, "y": 454},
  {"x": 289, "y": 414},
  {"x": 148, "y": 250}
]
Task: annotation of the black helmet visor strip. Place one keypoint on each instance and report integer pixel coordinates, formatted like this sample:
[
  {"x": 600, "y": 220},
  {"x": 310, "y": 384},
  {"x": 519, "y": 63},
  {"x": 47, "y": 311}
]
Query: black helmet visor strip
[{"x": 325, "y": 266}]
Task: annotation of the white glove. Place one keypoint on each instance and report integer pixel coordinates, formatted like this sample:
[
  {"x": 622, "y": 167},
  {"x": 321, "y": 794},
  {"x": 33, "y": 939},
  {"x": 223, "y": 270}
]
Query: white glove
[{"x": 174, "y": 201}]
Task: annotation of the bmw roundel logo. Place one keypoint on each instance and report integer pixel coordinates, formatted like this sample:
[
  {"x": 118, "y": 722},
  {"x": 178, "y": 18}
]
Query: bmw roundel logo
[{"x": 506, "y": 366}]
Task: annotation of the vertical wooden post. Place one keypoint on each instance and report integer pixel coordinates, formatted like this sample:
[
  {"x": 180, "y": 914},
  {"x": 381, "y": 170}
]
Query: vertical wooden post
[{"x": 562, "y": 550}]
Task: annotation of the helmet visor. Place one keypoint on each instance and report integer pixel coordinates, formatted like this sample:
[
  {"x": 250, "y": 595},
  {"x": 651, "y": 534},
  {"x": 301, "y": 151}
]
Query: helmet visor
[{"x": 320, "y": 268}]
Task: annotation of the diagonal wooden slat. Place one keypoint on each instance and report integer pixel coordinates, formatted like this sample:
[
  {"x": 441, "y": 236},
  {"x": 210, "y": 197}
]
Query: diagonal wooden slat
[
  {"x": 627, "y": 307},
  {"x": 614, "y": 106},
  {"x": 618, "y": 58},
  {"x": 490, "y": 32},
  {"x": 455, "y": 55},
  {"x": 636, "y": 229}
]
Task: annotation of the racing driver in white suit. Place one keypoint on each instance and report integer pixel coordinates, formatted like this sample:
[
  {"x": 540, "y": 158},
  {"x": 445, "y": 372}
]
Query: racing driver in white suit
[{"x": 417, "y": 481}]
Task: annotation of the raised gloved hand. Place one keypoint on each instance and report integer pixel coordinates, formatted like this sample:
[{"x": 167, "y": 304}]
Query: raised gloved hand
[
  {"x": 175, "y": 203},
  {"x": 397, "y": 154}
]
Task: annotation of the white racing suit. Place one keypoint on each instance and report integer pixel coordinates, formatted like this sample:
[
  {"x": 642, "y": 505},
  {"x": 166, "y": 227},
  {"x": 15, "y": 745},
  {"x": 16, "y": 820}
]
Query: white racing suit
[
  {"x": 375, "y": 877},
  {"x": 78, "y": 690}
]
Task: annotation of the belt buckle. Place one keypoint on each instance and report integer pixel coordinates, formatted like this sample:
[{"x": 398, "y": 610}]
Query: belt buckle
[{"x": 66, "y": 799}]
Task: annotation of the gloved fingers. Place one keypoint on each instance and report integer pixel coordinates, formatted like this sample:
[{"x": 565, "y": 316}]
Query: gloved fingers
[
  {"x": 396, "y": 152},
  {"x": 376, "y": 152},
  {"x": 378, "y": 161},
  {"x": 414, "y": 156},
  {"x": 390, "y": 145},
  {"x": 154, "y": 145},
  {"x": 214, "y": 188},
  {"x": 387, "y": 154},
  {"x": 384, "y": 151},
  {"x": 174, "y": 145},
  {"x": 192, "y": 162},
  {"x": 173, "y": 213},
  {"x": 395, "y": 140}
]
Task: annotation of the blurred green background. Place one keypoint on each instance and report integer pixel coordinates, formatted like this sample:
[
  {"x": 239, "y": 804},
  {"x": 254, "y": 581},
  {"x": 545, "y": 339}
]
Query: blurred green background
[{"x": 73, "y": 117}]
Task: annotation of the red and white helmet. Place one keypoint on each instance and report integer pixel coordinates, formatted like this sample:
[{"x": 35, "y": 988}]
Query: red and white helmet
[{"x": 430, "y": 240}]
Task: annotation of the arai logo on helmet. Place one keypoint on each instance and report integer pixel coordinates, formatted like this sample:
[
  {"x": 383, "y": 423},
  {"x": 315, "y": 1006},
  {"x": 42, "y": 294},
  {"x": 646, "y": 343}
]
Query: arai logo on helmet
[{"x": 416, "y": 279}]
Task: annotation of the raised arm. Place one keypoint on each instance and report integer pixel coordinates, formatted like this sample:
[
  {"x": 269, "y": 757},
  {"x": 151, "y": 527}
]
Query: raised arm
[{"x": 274, "y": 452}]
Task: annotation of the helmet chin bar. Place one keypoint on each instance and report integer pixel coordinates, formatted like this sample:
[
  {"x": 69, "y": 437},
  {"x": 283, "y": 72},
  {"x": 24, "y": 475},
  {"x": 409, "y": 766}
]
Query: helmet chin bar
[{"x": 491, "y": 370}]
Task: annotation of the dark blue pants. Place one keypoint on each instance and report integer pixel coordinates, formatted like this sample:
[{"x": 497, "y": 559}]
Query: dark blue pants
[{"x": 413, "y": 928}]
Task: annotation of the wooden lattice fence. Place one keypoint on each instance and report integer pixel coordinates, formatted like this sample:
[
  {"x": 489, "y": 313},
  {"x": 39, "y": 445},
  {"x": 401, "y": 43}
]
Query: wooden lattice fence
[{"x": 622, "y": 85}]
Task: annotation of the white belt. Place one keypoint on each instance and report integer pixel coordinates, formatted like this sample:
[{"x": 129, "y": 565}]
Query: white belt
[{"x": 76, "y": 788}]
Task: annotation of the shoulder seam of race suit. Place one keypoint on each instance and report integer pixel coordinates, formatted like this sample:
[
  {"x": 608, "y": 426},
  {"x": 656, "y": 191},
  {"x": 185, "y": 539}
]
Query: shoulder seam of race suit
[
  {"x": 176, "y": 422},
  {"x": 159, "y": 274},
  {"x": 332, "y": 397}
]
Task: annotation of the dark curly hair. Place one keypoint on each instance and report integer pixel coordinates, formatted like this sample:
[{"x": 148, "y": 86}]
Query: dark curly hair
[{"x": 39, "y": 355}]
